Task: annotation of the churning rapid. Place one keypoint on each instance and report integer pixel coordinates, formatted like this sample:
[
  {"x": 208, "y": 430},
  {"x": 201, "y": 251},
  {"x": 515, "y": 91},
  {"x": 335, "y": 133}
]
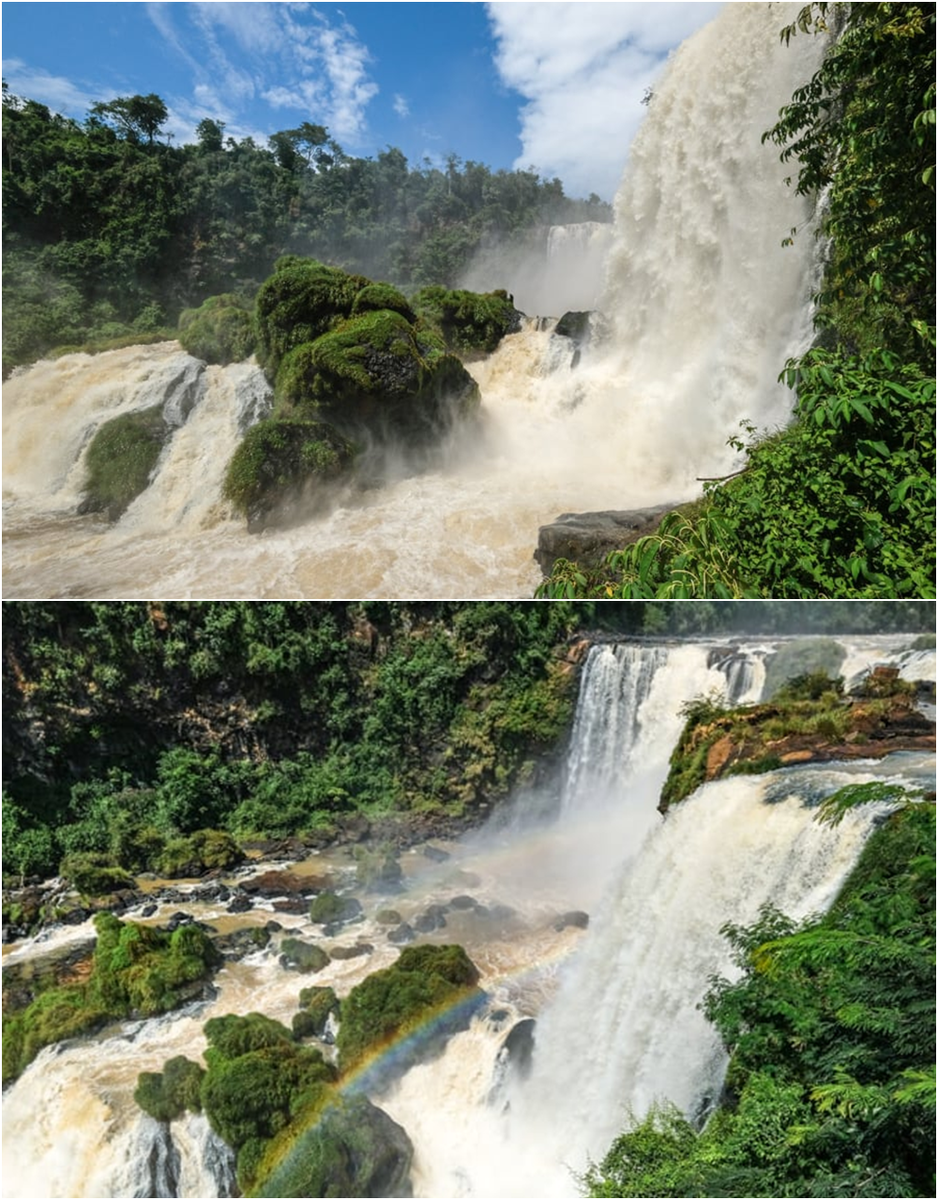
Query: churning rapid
[
  {"x": 615, "y": 1005},
  {"x": 702, "y": 308}
]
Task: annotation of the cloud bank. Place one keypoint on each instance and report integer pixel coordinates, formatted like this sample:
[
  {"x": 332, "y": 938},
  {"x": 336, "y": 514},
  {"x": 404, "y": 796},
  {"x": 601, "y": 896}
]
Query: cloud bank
[{"x": 583, "y": 69}]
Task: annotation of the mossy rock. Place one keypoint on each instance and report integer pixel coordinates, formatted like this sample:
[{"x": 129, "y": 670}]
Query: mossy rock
[
  {"x": 220, "y": 331},
  {"x": 167, "y": 1094},
  {"x": 302, "y": 300},
  {"x": 429, "y": 993},
  {"x": 280, "y": 467},
  {"x": 373, "y": 373},
  {"x": 317, "y": 1004},
  {"x": 350, "y": 1148},
  {"x": 121, "y": 459},
  {"x": 470, "y": 322},
  {"x": 328, "y": 908},
  {"x": 376, "y": 296},
  {"x": 204, "y": 850},
  {"x": 94, "y": 875},
  {"x": 297, "y": 955}
]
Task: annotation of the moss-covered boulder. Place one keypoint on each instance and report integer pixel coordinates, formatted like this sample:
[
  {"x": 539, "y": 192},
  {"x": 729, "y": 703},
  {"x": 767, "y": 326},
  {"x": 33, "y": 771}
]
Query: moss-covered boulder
[
  {"x": 375, "y": 373},
  {"x": 330, "y": 909},
  {"x": 470, "y": 322},
  {"x": 258, "y": 1080},
  {"x": 428, "y": 994},
  {"x": 280, "y": 468},
  {"x": 220, "y": 331},
  {"x": 351, "y": 1148},
  {"x": 317, "y": 1005},
  {"x": 297, "y": 955},
  {"x": 167, "y": 1094},
  {"x": 301, "y": 301},
  {"x": 136, "y": 971},
  {"x": 801, "y": 657},
  {"x": 120, "y": 460},
  {"x": 94, "y": 875},
  {"x": 198, "y": 852}
]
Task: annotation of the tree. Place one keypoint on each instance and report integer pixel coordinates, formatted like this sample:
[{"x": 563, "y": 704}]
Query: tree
[{"x": 137, "y": 118}]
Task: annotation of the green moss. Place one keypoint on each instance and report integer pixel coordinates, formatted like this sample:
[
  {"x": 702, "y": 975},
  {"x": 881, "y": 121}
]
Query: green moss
[
  {"x": 137, "y": 970},
  {"x": 425, "y": 980},
  {"x": 220, "y": 331},
  {"x": 381, "y": 295},
  {"x": 204, "y": 850},
  {"x": 93, "y": 874},
  {"x": 317, "y": 1004},
  {"x": 470, "y": 322},
  {"x": 328, "y": 907},
  {"x": 121, "y": 459},
  {"x": 167, "y": 1094},
  {"x": 278, "y": 462},
  {"x": 302, "y": 300},
  {"x": 298, "y": 955}
]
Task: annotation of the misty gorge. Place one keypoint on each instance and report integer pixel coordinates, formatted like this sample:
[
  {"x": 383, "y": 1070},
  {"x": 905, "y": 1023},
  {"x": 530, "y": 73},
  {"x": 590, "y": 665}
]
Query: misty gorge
[{"x": 701, "y": 306}]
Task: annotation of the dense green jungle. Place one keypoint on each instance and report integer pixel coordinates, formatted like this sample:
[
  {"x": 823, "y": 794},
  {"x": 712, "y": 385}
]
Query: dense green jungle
[
  {"x": 842, "y": 502},
  {"x": 170, "y": 737}
]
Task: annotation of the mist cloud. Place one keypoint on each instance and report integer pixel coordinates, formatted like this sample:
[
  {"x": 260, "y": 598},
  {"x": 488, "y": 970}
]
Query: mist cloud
[{"x": 583, "y": 69}]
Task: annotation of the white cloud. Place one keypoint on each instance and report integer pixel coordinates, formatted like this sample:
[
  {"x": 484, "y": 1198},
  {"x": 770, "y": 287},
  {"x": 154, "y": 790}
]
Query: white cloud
[
  {"x": 583, "y": 68},
  {"x": 290, "y": 55},
  {"x": 59, "y": 94},
  {"x": 401, "y": 106}
]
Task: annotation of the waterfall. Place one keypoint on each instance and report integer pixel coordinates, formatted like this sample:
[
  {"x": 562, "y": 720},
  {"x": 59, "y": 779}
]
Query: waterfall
[
  {"x": 615, "y": 1004},
  {"x": 703, "y": 307}
]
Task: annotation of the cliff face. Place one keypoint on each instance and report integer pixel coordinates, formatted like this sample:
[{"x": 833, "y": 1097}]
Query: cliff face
[{"x": 791, "y": 729}]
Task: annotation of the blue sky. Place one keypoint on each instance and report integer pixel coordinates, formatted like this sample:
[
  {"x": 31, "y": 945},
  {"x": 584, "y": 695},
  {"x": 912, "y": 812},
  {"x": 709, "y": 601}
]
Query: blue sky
[{"x": 553, "y": 86}]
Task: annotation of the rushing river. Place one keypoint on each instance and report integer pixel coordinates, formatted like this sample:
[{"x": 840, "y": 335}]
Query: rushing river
[
  {"x": 703, "y": 306},
  {"x": 615, "y": 1002}
]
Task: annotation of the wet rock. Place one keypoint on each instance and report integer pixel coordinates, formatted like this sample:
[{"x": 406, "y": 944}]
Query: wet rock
[
  {"x": 356, "y": 951},
  {"x": 334, "y": 910},
  {"x": 572, "y": 920},
  {"x": 284, "y": 883},
  {"x": 434, "y": 854},
  {"x": 403, "y": 934},
  {"x": 241, "y": 942},
  {"x": 463, "y": 902},
  {"x": 296, "y": 906},
  {"x": 587, "y": 538},
  {"x": 297, "y": 955},
  {"x": 241, "y": 904},
  {"x": 388, "y": 916},
  {"x": 434, "y": 917}
]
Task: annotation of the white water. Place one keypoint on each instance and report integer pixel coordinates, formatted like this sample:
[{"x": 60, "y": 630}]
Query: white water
[
  {"x": 704, "y": 308},
  {"x": 617, "y": 1022}
]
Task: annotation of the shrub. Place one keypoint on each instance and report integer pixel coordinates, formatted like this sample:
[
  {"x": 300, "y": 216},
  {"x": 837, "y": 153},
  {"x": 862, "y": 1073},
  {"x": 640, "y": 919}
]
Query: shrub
[
  {"x": 121, "y": 459},
  {"x": 220, "y": 331}
]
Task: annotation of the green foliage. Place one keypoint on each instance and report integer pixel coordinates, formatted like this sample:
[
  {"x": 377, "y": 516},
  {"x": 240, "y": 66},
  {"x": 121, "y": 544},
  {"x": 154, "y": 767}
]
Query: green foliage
[
  {"x": 136, "y": 971},
  {"x": 121, "y": 458},
  {"x": 327, "y": 907},
  {"x": 279, "y": 460},
  {"x": 831, "y": 1027},
  {"x": 470, "y": 322},
  {"x": 425, "y": 980},
  {"x": 93, "y": 875},
  {"x": 220, "y": 331},
  {"x": 317, "y": 1004},
  {"x": 167, "y": 1094}
]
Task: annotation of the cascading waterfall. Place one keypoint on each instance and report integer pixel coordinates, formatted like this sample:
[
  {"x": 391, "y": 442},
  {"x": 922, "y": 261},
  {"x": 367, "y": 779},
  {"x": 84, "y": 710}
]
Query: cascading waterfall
[
  {"x": 617, "y": 1023},
  {"x": 703, "y": 307}
]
